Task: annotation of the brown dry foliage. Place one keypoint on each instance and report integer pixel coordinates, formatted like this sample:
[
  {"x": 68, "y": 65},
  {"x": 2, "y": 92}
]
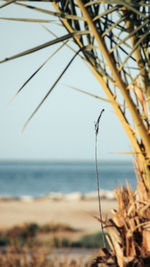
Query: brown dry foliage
[
  {"x": 38, "y": 257},
  {"x": 129, "y": 229}
]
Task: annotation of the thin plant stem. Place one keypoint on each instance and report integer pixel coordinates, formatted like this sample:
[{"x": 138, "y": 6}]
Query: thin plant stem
[{"x": 97, "y": 176}]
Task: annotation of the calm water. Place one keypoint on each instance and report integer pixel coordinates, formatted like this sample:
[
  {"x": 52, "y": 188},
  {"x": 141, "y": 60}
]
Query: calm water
[{"x": 40, "y": 178}]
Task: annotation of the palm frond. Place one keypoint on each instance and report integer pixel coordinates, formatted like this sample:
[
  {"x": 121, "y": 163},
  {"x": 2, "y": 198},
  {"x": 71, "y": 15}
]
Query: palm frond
[
  {"x": 41, "y": 66},
  {"x": 28, "y": 20},
  {"x": 55, "y": 14},
  {"x": 47, "y": 44},
  {"x": 133, "y": 49},
  {"x": 8, "y": 3},
  {"x": 130, "y": 35},
  {"x": 95, "y": 96},
  {"x": 67, "y": 45},
  {"x": 50, "y": 90}
]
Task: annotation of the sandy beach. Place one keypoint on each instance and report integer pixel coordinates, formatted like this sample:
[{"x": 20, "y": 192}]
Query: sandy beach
[{"x": 76, "y": 213}]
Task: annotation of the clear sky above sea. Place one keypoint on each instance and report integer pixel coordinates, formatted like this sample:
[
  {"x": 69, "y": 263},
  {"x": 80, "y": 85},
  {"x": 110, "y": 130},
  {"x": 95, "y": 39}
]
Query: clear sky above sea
[{"x": 63, "y": 128}]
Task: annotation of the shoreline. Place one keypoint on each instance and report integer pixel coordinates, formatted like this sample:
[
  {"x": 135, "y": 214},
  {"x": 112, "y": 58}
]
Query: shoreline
[
  {"x": 77, "y": 213},
  {"x": 58, "y": 196}
]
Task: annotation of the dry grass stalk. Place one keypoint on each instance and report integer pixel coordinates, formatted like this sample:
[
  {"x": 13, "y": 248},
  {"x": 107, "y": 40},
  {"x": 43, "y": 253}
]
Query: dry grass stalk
[{"x": 38, "y": 257}]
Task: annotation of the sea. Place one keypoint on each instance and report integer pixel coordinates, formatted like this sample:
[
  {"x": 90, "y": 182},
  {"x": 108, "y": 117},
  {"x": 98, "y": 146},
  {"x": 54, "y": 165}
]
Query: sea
[{"x": 41, "y": 178}]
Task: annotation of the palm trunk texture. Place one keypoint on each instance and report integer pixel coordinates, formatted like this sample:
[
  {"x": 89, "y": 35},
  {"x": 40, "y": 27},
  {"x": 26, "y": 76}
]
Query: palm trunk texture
[{"x": 112, "y": 36}]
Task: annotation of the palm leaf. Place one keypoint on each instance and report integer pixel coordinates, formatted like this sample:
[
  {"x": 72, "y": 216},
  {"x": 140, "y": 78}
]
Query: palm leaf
[
  {"x": 28, "y": 20},
  {"x": 54, "y": 35},
  {"x": 133, "y": 49},
  {"x": 47, "y": 44},
  {"x": 113, "y": 26},
  {"x": 55, "y": 14},
  {"x": 42, "y": 65},
  {"x": 130, "y": 35},
  {"x": 95, "y": 96},
  {"x": 109, "y": 11},
  {"x": 50, "y": 90},
  {"x": 118, "y": 2},
  {"x": 8, "y": 3}
]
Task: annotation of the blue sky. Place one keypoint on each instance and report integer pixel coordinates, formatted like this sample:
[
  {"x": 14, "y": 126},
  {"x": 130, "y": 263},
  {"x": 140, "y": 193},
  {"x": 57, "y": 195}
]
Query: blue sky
[{"x": 63, "y": 128}]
